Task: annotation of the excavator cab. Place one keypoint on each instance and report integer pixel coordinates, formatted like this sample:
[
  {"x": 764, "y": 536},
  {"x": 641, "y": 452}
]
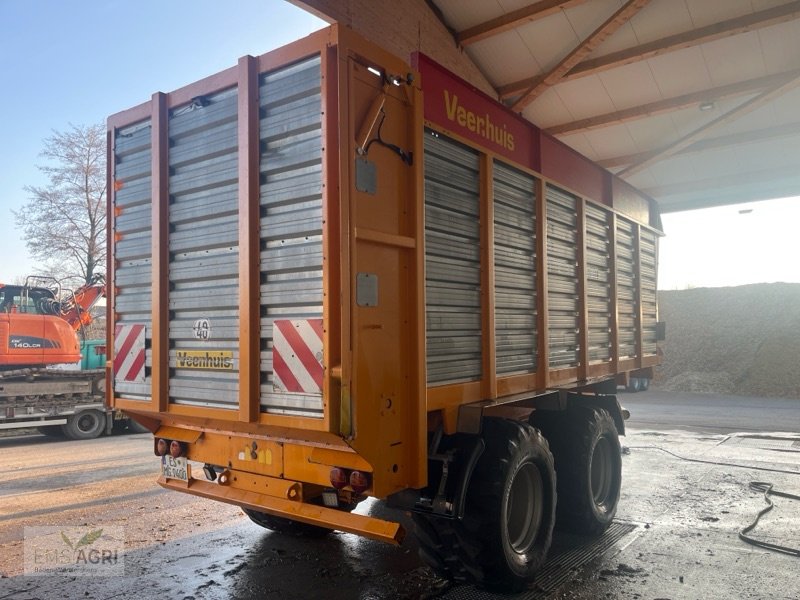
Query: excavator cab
[{"x": 33, "y": 330}]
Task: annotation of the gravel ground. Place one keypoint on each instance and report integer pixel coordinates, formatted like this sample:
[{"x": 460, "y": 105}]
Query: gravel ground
[{"x": 737, "y": 340}]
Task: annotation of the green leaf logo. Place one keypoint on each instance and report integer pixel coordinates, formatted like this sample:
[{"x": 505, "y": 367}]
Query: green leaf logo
[
  {"x": 89, "y": 539},
  {"x": 67, "y": 540}
]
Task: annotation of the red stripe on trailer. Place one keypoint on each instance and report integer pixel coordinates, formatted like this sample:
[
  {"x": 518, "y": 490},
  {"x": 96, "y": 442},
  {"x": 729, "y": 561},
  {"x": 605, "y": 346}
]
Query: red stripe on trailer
[
  {"x": 281, "y": 370},
  {"x": 316, "y": 325},
  {"x": 129, "y": 361},
  {"x": 302, "y": 351},
  {"x": 136, "y": 367},
  {"x": 297, "y": 356},
  {"x": 126, "y": 333}
]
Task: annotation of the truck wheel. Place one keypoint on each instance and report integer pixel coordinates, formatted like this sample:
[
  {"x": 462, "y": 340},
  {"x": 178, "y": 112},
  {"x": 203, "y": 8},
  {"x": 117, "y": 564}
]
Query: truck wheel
[
  {"x": 588, "y": 461},
  {"x": 85, "y": 425},
  {"x": 510, "y": 512},
  {"x": 644, "y": 384},
  {"x": 285, "y": 526},
  {"x": 634, "y": 385}
]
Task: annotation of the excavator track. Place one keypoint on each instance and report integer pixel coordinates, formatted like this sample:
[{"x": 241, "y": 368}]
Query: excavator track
[{"x": 49, "y": 386}]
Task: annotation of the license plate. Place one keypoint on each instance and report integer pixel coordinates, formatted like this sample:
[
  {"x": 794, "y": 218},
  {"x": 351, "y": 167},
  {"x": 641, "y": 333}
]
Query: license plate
[{"x": 174, "y": 468}]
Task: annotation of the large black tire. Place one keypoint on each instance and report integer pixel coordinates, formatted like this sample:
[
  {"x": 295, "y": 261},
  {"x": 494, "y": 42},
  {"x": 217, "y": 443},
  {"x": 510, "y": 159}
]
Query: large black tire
[
  {"x": 585, "y": 446},
  {"x": 85, "y": 425},
  {"x": 634, "y": 385},
  {"x": 507, "y": 527},
  {"x": 644, "y": 384},
  {"x": 286, "y": 526}
]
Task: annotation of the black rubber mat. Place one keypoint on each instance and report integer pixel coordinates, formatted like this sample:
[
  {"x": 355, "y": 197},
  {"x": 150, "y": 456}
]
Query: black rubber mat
[{"x": 568, "y": 555}]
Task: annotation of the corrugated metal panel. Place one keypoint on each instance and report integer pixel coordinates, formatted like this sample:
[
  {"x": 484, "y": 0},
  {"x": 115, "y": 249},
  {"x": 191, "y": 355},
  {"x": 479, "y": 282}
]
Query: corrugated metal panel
[
  {"x": 291, "y": 216},
  {"x": 452, "y": 260},
  {"x": 133, "y": 253},
  {"x": 647, "y": 246},
  {"x": 515, "y": 270},
  {"x": 562, "y": 277},
  {"x": 626, "y": 289},
  {"x": 203, "y": 246},
  {"x": 598, "y": 290}
]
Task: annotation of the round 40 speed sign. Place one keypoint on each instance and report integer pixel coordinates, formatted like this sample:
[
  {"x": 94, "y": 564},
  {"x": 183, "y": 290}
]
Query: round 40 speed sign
[{"x": 202, "y": 329}]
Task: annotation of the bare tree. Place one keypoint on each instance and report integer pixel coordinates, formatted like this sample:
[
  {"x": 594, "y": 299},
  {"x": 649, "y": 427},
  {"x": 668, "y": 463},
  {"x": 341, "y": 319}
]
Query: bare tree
[{"x": 64, "y": 222}]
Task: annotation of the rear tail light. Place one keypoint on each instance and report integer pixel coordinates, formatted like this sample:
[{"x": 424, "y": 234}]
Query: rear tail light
[
  {"x": 339, "y": 478},
  {"x": 162, "y": 447},
  {"x": 177, "y": 449},
  {"x": 359, "y": 482}
]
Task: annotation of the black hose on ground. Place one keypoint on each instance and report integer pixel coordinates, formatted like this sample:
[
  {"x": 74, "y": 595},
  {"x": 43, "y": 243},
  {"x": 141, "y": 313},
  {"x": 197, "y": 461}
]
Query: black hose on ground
[
  {"x": 763, "y": 486},
  {"x": 759, "y": 486}
]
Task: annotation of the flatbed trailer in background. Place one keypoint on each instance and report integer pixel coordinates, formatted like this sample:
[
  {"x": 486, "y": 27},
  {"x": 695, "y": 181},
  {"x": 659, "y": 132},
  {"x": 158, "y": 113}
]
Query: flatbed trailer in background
[{"x": 335, "y": 276}]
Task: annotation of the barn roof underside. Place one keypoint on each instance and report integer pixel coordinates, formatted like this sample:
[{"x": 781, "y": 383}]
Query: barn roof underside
[{"x": 694, "y": 102}]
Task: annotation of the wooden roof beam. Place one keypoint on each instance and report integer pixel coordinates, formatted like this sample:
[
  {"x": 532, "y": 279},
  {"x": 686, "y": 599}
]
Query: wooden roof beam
[
  {"x": 515, "y": 18},
  {"x": 765, "y": 18},
  {"x": 586, "y": 47},
  {"x": 671, "y": 104},
  {"x": 734, "y": 139},
  {"x": 730, "y": 116}
]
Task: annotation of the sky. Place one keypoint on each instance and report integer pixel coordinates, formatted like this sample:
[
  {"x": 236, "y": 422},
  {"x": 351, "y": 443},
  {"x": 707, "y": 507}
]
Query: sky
[
  {"x": 731, "y": 245},
  {"x": 76, "y": 62}
]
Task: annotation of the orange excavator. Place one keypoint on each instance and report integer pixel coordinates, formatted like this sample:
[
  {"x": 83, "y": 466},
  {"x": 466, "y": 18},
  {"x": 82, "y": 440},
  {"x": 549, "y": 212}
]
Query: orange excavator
[{"x": 41, "y": 325}]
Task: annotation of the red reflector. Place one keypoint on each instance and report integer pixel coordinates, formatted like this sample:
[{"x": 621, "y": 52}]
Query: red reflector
[
  {"x": 339, "y": 478},
  {"x": 162, "y": 447},
  {"x": 359, "y": 481},
  {"x": 176, "y": 449}
]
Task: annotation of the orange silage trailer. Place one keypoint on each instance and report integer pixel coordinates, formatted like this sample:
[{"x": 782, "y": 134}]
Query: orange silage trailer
[{"x": 360, "y": 278}]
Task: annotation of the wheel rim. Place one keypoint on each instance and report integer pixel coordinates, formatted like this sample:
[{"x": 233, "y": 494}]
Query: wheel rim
[
  {"x": 524, "y": 510},
  {"x": 602, "y": 472},
  {"x": 87, "y": 423}
]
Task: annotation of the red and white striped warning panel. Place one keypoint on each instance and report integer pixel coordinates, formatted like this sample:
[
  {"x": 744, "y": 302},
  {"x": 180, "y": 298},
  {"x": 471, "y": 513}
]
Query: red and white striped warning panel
[
  {"x": 129, "y": 354},
  {"x": 297, "y": 356}
]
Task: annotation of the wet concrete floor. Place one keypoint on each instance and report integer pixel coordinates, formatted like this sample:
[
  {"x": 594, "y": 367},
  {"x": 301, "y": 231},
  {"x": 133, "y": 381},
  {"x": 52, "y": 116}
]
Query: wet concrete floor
[{"x": 676, "y": 533}]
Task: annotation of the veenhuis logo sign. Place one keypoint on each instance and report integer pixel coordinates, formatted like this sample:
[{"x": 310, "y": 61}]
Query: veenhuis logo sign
[{"x": 480, "y": 124}]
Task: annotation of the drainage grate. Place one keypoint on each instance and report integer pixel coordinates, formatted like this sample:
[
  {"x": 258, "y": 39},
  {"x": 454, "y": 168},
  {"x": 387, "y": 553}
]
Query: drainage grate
[
  {"x": 567, "y": 555},
  {"x": 784, "y": 444}
]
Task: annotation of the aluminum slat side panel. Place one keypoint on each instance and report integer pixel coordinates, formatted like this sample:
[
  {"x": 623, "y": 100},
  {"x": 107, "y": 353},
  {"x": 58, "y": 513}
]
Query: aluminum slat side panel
[
  {"x": 204, "y": 253},
  {"x": 647, "y": 247},
  {"x": 598, "y": 289},
  {"x": 515, "y": 270},
  {"x": 562, "y": 277},
  {"x": 452, "y": 262},
  {"x": 133, "y": 274},
  {"x": 290, "y": 105},
  {"x": 626, "y": 290}
]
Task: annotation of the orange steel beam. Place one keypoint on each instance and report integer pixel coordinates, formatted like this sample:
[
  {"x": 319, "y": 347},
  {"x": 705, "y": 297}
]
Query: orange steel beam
[
  {"x": 676, "y": 103},
  {"x": 487, "y": 277},
  {"x": 612, "y": 290},
  {"x": 160, "y": 251},
  {"x": 110, "y": 228},
  {"x": 679, "y": 41},
  {"x": 730, "y": 116},
  {"x": 597, "y": 37},
  {"x": 376, "y": 529},
  {"x": 249, "y": 191},
  {"x": 516, "y": 18}
]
